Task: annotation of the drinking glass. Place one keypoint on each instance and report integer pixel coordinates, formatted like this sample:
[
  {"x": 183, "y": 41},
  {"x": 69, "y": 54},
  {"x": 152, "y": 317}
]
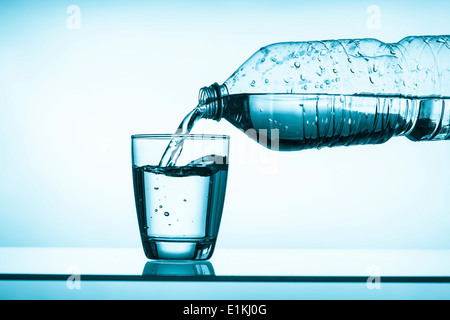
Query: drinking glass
[{"x": 179, "y": 207}]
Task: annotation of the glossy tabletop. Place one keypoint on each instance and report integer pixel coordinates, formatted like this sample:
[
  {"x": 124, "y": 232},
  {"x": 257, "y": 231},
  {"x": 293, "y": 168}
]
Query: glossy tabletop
[{"x": 125, "y": 273}]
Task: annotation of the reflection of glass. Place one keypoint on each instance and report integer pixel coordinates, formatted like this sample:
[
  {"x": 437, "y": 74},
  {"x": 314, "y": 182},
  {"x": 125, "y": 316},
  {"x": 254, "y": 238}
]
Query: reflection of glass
[
  {"x": 178, "y": 268},
  {"x": 179, "y": 207}
]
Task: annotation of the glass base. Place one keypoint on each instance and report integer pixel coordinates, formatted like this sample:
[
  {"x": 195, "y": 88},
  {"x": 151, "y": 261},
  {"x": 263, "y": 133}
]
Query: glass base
[{"x": 179, "y": 250}]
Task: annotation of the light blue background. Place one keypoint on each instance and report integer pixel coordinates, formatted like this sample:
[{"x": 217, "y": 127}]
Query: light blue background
[{"x": 71, "y": 98}]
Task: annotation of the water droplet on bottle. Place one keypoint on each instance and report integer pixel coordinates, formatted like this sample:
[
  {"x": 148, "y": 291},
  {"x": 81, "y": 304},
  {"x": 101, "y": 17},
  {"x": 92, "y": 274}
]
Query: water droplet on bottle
[
  {"x": 370, "y": 79},
  {"x": 261, "y": 110},
  {"x": 274, "y": 59},
  {"x": 156, "y": 210},
  {"x": 263, "y": 59},
  {"x": 335, "y": 71},
  {"x": 184, "y": 200},
  {"x": 305, "y": 87},
  {"x": 302, "y": 77},
  {"x": 297, "y": 64},
  {"x": 375, "y": 68},
  {"x": 327, "y": 82},
  {"x": 323, "y": 52},
  {"x": 166, "y": 214},
  {"x": 352, "y": 71},
  {"x": 266, "y": 81},
  {"x": 160, "y": 206},
  {"x": 253, "y": 83}
]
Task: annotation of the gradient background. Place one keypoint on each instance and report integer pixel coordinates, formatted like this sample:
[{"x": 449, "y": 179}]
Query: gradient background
[{"x": 70, "y": 98}]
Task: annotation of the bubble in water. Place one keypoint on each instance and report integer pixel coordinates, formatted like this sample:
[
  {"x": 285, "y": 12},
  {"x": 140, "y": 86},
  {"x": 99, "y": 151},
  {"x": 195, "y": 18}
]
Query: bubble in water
[
  {"x": 286, "y": 127},
  {"x": 166, "y": 214},
  {"x": 297, "y": 64},
  {"x": 261, "y": 110}
]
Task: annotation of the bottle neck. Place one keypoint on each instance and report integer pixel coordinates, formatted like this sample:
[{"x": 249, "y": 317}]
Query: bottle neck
[{"x": 211, "y": 98}]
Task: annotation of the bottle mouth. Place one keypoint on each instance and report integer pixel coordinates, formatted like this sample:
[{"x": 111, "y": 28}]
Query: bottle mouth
[{"x": 211, "y": 99}]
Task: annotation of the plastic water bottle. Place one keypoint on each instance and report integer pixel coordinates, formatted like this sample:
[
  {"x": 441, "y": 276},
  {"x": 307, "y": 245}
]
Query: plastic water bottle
[{"x": 298, "y": 95}]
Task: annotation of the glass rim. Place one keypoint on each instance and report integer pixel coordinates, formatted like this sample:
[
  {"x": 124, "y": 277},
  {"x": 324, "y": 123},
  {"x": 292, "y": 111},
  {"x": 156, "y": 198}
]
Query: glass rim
[{"x": 168, "y": 136}]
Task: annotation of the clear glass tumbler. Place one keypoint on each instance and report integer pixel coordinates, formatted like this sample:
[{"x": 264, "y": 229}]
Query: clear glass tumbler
[{"x": 179, "y": 207}]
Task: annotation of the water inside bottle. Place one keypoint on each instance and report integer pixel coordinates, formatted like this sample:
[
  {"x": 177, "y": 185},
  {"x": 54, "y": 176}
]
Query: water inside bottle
[{"x": 303, "y": 121}]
